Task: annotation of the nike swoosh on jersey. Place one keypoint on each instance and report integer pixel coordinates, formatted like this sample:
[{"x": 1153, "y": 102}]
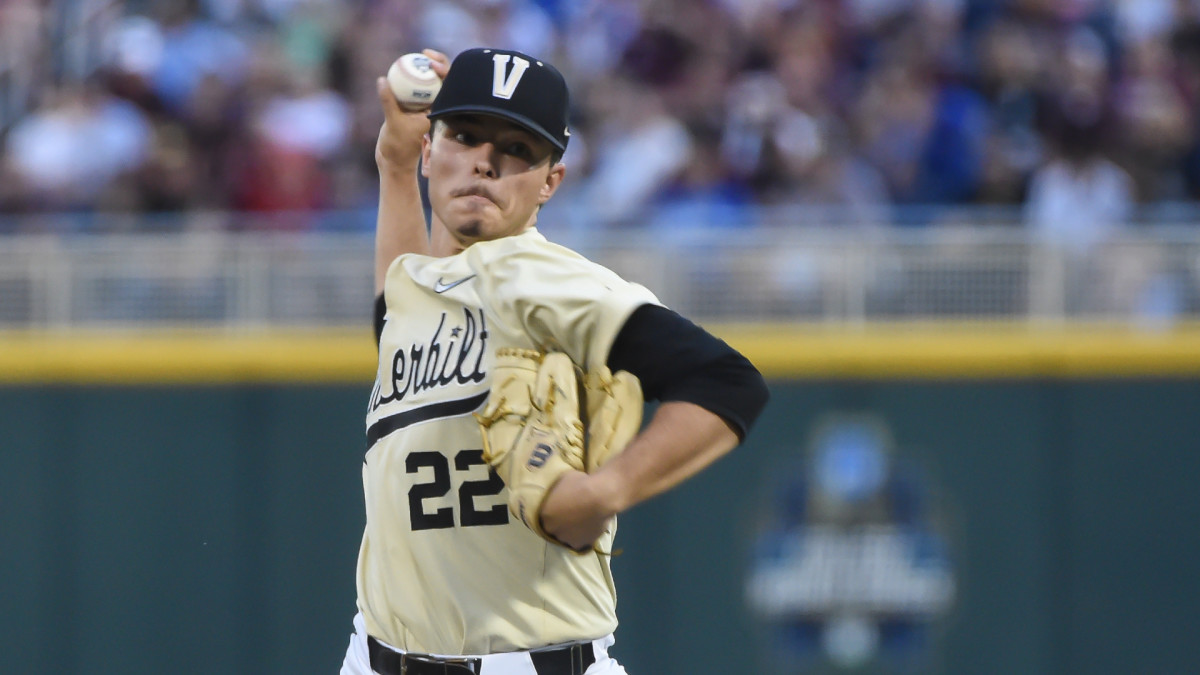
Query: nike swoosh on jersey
[{"x": 441, "y": 287}]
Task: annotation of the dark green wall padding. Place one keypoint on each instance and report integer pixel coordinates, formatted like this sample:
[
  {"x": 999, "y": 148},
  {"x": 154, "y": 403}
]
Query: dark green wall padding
[{"x": 213, "y": 529}]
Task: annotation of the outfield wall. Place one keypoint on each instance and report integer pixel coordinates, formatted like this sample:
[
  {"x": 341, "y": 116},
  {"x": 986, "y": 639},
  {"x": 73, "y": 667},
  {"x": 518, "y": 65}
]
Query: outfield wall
[{"x": 192, "y": 503}]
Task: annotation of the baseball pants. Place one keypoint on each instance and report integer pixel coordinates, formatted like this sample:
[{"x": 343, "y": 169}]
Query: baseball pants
[{"x": 362, "y": 648}]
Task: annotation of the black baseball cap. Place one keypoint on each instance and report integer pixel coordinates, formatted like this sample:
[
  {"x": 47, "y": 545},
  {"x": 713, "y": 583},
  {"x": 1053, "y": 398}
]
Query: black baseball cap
[{"x": 507, "y": 84}]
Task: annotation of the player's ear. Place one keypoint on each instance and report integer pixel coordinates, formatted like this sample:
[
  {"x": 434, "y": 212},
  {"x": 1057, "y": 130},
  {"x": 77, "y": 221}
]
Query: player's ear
[
  {"x": 426, "y": 144},
  {"x": 553, "y": 180}
]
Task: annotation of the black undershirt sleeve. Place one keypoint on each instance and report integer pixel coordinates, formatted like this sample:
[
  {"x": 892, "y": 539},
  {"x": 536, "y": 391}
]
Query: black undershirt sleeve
[
  {"x": 380, "y": 311},
  {"x": 676, "y": 360}
]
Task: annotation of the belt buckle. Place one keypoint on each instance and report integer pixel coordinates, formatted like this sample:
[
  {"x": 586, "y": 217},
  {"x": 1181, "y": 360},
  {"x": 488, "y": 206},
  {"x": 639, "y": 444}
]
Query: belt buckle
[{"x": 468, "y": 665}]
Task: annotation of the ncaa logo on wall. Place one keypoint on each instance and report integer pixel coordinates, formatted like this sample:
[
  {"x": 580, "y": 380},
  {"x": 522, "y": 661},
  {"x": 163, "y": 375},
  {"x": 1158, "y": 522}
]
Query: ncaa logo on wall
[{"x": 851, "y": 567}]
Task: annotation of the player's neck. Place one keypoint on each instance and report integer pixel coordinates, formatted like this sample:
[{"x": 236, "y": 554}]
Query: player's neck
[{"x": 441, "y": 243}]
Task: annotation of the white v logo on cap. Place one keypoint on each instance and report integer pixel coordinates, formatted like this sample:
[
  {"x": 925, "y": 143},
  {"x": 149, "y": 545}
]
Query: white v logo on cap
[{"x": 504, "y": 85}]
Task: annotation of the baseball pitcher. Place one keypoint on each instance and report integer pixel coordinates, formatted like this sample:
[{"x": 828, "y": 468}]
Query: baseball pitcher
[{"x": 504, "y": 430}]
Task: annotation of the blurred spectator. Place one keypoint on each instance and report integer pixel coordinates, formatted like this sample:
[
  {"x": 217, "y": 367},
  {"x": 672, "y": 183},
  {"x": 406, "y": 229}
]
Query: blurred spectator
[
  {"x": 22, "y": 49},
  {"x": 308, "y": 118},
  {"x": 170, "y": 180},
  {"x": 705, "y": 191},
  {"x": 512, "y": 24},
  {"x": 1011, "y": 67},
  {"x": 639, "y": 149},
  {"x": 67, "y": 152},
  {"x": 1079, "y": 197},
  {"x": 1157, "y": 128},
  {"x": 894, "y": 118},
  {"x": 1078, "y": 201},
  {"x": 1185, "y": 45},
  {"x": 193, "y": 47}
]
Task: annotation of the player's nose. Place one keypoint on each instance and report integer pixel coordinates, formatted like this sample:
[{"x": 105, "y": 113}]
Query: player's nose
[{"x": 484, "y": 160}]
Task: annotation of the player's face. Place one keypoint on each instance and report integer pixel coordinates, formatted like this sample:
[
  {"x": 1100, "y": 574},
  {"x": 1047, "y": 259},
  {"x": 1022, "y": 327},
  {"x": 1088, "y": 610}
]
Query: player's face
[{"x": 487, "y": 176}]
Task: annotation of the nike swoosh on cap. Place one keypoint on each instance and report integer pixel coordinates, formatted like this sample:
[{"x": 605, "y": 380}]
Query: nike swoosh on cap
[{"x": 441, "y": 287}]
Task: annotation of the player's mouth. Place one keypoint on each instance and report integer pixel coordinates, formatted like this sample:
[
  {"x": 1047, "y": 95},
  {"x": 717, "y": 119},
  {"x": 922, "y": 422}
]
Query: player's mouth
[{"x": 475, "y": 193}]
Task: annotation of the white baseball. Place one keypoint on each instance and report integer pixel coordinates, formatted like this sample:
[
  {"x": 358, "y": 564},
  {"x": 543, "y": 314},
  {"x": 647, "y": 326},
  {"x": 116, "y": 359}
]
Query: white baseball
[{"x": 413, "y": 81}]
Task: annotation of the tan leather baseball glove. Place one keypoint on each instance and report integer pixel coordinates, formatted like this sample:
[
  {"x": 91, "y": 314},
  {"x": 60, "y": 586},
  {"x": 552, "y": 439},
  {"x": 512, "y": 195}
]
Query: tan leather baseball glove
[
  {"x": 614, "y": 407},
  {"x": 532, "y": 433}
]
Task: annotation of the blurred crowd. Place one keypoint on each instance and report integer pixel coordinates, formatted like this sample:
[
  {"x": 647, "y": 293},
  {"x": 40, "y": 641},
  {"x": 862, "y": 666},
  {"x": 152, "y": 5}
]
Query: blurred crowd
[{"x": 1075, "y": 111}]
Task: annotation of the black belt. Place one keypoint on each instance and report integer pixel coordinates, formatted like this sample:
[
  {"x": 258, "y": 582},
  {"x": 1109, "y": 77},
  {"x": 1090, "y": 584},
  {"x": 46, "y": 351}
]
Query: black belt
[{"x": 571, "y": 660}]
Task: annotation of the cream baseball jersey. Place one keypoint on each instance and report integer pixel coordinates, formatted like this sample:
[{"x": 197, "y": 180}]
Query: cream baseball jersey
[{"x": 444, "y": 568}]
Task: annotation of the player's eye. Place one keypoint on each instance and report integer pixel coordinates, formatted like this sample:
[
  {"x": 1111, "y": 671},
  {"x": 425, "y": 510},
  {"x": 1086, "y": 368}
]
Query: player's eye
[
  {"x": 465, "y": 137},
  {"x": 519, "y": 150}
]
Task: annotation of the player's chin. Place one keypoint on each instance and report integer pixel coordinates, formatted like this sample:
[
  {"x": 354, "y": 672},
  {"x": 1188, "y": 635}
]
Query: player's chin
[
  {"x": 471, "y": 230},
  {"x": 480, "y": 227},
  {"x": 474, "y": 221}
]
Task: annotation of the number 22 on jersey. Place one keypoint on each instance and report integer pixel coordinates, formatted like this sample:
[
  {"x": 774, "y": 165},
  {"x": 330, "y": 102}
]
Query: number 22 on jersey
[{"x": 434, "y": 472}]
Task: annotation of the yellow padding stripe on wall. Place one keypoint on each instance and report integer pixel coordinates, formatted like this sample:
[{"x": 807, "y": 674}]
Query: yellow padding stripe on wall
[
  {"x": 782, "y": 351},
  {"x": 186, "y": 357},
  {"x": 953, "y": 350}
]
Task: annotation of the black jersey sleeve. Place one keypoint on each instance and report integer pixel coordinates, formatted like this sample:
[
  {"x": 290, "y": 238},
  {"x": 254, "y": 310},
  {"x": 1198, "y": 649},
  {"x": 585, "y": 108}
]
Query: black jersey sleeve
[{"x": 676, "y": 360}]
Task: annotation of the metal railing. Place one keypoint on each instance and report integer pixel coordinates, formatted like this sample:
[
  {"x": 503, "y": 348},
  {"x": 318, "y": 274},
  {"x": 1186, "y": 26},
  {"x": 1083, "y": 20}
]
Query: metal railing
[{"x": 252, "y": 280}]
